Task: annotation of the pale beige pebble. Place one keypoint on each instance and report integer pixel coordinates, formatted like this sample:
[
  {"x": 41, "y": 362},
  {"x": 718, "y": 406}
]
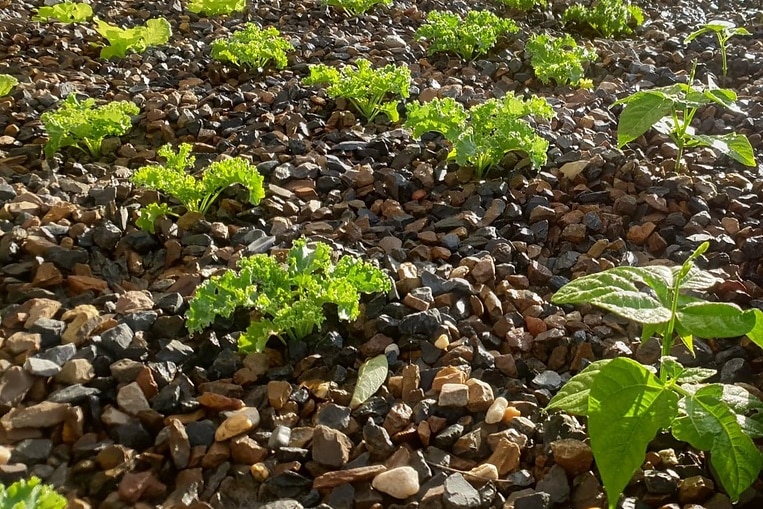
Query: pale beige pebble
[
  {"x": 5, "y": 455},
  {"x": 232, "y": 426},
  {"x": 442, "y": 342},
  {"x": 133, "y": 301},
  {"x": 21, "y": 341},
  {"x": 278, "y": 393},
  {"x": 497, "y": 410},
  {"x": 400, "y": 483},
  {"x": 453, "y": 395},
  {"x": 77, "y": 330},
  {"x": 505, "y": 457},
  {"x": 448, "y": 374},
  {"x": 41, "y": 415},
  {"x": 482, "y": 473},
  {"x": 259, "y": 472},
  {"x": 76, "y": 371},
  {"x": 112, "y": 416},
  {"x": 41, "y": 308}
]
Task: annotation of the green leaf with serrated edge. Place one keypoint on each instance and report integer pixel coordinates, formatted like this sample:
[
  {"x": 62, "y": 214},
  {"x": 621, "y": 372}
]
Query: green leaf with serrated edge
[
  {"x": 30, "y": 494},
  {"x": 715, "y": 319},
  {"x": 707, "y": 424},
  {"x": 756, "y": 333},
  {"x": 573, "y": 397},
  {"x": 642, "y": 111},
  {"x": 734, "y": 145},
  {"x": 7, "y": 82},
  {"x": 371, "y": 376},
  {"x": 149, "y": 214},
  {"x": 627, "y": 406}
]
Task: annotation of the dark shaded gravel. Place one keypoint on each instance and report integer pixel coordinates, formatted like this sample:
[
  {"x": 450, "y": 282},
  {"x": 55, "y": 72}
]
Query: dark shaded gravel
[{"x": 104, "y": 394}]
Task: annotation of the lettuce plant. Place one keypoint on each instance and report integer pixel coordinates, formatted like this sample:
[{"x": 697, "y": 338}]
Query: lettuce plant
[
  {"x": 31, "y": 494},
  {"x": 84, "y": 126},
  {"x": 288, "y": 298},
  {"x": 368, "y": 89},
  {"x": 623, "y": 398},
  {"x": 671, "y": 109},
  {"x": 723, "y": 30},
  {"x": 196, "y": 195},
  {"x": 215, "y": 7},
  {"x": 608, "y": 18},
  {"x": 484, "y": 134},
  {"x": 560, "y": 59},
  {"x": 356, "y": 7},
  {"x": 65, "y": 12},
  {"x": 155, "y": 32},
  {"x": 254, "y": 47},
  {"x": 7, "y": 82},
  {"x": 469, "y": 37},
  {"x": 524, "y": 5}
]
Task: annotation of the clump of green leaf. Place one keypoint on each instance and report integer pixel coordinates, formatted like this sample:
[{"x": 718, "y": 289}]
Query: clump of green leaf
[
  {"x": 216, "y": 7},
  {"x": 469, "y": 37},
  {"x": 7, "y": 82},
  {"x": 484, "y": 134},
  {"x": 30, "y": 494},
  {"x": 560, "y": 59},
  {"x": 524, "y": 5},
  {"x": 254, "y": 47},
  {"x": 670, "y": 110},
  {"x": 288, "y": 298},
  {"x": 623, "y": 398},
  {"x": 65, "y": 12},
  {"x": 356, "y": 7},
  {"x": 155, "y": 32},
  {"x": 608, "y": 18},
  {"x": 723, "y": 30},
  {"x": 368, "y": 89},
  {"x": 196, "y": 195},
  {"x": 84, "y": 126}
]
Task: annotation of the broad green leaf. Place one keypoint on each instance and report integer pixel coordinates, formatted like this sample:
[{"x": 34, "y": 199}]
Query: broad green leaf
[
  {"x": 752, "y": 426},
  {"x": 696, "y": 375},
  {"x": 756, "y": 333},
  {"x": 642, "y": 110},
  {"x": 734, "y": 145},
  {"x": 707, "y": 424},
  {"x": 215, "y": 7},
  {"x": 7, "y": 82},
  {"x": 371, "y": 376},
  {"x": 738, "y": 399},
  {"x": 65, "y": 12},
  {"x": 627, "y": 406},
  {"x": 698, "y": 279},
  {"x": 573, "y": 397},
  {"x": 715, "y": 319}
]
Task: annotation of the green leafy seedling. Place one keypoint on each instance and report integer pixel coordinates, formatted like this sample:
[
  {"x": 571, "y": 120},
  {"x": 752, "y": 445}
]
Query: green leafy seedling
[
  {"x": 7, "y": 82},
  {"x": 356, "y": 7},
  {"x": 623, "y": 398},
  {"x": 253, "y": 47},
  {"x": 216, "y": 7},
  {"x": 366, "y": 88},
  {"x": 723, "y": 30},
  {"x": 470, "y": 37},
  {"x": 196, "y": 195},
  {"x": 289, "y": 297},
  {"x": 155, "y": 32},
  {"x": 608, "y": 18},
  {"x": 84, "y": 126},
  {"x": 524, "y": 5},
  {"x": 560, "y": 59},
  {"x": 484, "y": 134},
  {"x": 30, "y": 494},
  {"x": 65, "y": 12},
  {"x": 670, "y": 110}
]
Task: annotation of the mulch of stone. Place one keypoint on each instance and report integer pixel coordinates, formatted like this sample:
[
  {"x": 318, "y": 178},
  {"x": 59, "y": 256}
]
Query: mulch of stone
[{"x": 104, "y": 394}]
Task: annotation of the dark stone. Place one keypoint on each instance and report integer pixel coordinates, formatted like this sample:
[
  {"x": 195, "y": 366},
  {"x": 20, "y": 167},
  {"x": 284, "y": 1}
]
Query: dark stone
[
  {"x": 32, "y": 450},
  {"x": 288, "y": 484},
  {"x": 201, "y": 432},
  {"x": 134, "y": 436},
  {"x": 377, "y": 440},
  {"x": 537, "y": 500},
  {"x": 117, "y": 339},
  {"x": 334, "y": 416},
  {"x": 427, "y": 323},
  {"x": 459, "y": 494}
]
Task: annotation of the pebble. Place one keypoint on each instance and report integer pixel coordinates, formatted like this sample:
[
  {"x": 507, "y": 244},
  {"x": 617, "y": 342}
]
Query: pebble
[{"x": 400, "y": 482}]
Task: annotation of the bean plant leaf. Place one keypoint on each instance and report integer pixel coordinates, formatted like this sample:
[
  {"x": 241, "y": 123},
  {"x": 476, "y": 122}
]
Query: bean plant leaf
[
  {"x": 627, "y": 406},
  {"x": 615, "y": 291},
  {"x": 734, "y": 145},
  {"x": 707, "y": 424},
  {"x": 573, "y": 397},
  {"x": 715, "y": 319},
  {"x": 642, "y": 111},
  {"x": 371, "y": 376},
  {"x": 756, "y": 333}
]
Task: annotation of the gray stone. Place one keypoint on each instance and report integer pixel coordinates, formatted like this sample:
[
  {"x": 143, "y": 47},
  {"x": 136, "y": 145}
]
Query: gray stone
[
  {"x": 41, "y": 367},
  {"x": 555, "y": 483},
  {"x": 459, "y": 494}
]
